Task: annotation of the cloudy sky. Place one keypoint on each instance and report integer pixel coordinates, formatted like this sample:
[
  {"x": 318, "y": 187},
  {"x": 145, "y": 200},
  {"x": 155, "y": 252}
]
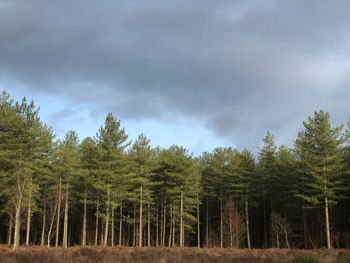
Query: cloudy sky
[{"x": 192, "y": 72}]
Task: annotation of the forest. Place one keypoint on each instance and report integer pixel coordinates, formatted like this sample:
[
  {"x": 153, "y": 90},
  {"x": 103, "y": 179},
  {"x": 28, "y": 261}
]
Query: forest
[{"x": 107, "y": 190}]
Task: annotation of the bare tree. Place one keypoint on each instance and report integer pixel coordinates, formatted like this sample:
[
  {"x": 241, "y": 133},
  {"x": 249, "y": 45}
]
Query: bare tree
[
  {"x": 233, "y": 225},
  {"x": 280, "y": 230}
]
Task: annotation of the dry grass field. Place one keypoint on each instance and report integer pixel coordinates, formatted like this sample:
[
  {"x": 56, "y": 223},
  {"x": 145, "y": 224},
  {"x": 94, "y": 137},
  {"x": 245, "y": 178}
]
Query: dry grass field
[{"x": 154, "y": 255}]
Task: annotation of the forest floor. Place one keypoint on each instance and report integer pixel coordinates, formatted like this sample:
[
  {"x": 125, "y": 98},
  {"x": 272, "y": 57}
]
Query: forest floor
[{"x": 154, "y": 255}]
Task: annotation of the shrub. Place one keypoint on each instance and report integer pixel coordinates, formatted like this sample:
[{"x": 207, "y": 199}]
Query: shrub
[{"x": 310, "y": 258}]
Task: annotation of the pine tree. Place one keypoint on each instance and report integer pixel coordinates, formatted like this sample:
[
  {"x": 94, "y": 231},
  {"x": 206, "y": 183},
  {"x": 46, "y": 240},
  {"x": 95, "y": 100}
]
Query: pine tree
[
  {"x": 346, "y": 161},
  {"x": 179, "y": 177},
  {"x": 216, "y": 180},
  {"x": 208, "y": 190},
  {"x": 266, "y": 167},
  {"x": 66, "y": 166},
  {"x": 25, "y": 141},
  {"x": 233, "y": 190},
  {"x": 112, "y": 179},
  {"x": 247, "y": 174},
  {"x": 88, "y": 164},
  {"x": 319, "y": 148},
  {"x": 142, "y": 165},
  {"x": 77, "y": 193}
]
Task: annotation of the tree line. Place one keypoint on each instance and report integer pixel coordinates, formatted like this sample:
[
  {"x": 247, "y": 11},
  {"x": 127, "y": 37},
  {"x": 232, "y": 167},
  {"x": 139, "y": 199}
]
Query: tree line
[{"x": 107, "y": 190}]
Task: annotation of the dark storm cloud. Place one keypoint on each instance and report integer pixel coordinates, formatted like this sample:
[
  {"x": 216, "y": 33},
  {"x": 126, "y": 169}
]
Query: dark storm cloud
[{"x": 241, "y": 67}]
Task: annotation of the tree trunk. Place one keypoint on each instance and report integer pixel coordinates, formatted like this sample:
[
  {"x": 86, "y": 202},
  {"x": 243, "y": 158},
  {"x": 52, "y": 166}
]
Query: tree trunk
[
  {"x": 96, "y": 222},
  {"x": 65, "y": 222},
  {"x": 105, "y": 243},
  {"x": 247, "y": 221},
  {"x": 287, "y": 242},
  {"x": 148, "y": 226},
  {"x": 277, "y": 236},
  {"x": 270, "y": 217},
  {"x": 285, "y": 234},
  {"x": 127, "y": 235},
  {"x": 221, "y": 225},
  {"x": 164, "y": 225},
  {"x": 161, "y": 224},
  {"x": 134, "y": 228},
  {"x": 265, "y": 223},
  {"x": 112, "y": 227},
  {"x": 20, "y": 186},
  {"x": 121, "y": 223},
  {"x": 231, "y": 232},
  {"x": 305, "y": 230},
  {"x": 140, "y": 220},
  {"x": 207, "y": 222},
  {"x": 43, "y": 227},
  {"x": 327, "y": 223},
  {"x": 83, "y": 243},
  {"x": 58, "y": 211},
  {"x": 157, "y": 227},
  {"x": 51, "y": 226},
  {"x": 102, "y": 239},
  {"x": 210, "y": 234},
  {"x": 236, "y": 223},
  {"x": 174, "y": 228},
  {"x": 9, "y": 232},
  {"x": 171, "y": 225},
  {"x": 181, "y": 221},
  {"x": 69, "y": 234},
  {"x": 198, "y": 225},
  {"x": 17, "y": 225},
  {"x": 29, "y": 212}
]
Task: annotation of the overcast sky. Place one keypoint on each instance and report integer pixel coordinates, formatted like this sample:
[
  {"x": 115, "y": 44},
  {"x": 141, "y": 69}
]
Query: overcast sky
[{"x": 196, "y": 73}]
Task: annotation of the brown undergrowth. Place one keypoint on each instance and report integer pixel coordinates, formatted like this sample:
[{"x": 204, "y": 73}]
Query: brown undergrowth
[{"x": 155, "y": 255}]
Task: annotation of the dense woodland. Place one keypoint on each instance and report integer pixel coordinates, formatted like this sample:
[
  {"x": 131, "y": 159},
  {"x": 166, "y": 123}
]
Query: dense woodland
[{"x": 109, "y": 190}]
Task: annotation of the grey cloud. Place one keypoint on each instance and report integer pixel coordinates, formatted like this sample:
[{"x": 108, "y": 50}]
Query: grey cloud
[{"x": 241, "y": 67}]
